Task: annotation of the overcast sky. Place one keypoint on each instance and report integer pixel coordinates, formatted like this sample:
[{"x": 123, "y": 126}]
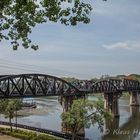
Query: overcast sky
[{"x": 110, "y": 44}]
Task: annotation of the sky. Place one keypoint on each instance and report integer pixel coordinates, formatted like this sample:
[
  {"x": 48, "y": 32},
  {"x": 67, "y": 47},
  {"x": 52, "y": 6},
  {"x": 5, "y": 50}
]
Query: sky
[{"x": 109, "y": 45}]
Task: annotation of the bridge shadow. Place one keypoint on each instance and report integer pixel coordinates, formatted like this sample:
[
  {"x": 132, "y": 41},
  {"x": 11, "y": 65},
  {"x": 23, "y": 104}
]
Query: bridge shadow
[{"x": 128, "y": 131}]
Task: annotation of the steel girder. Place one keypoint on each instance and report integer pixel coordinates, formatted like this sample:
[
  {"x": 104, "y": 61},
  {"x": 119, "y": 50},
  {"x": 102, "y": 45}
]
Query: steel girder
[
  {"x": 35, "y": 85},
  {"x": 109, "y": 86}
]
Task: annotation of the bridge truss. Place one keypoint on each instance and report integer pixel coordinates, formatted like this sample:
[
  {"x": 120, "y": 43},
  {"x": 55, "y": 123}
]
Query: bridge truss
[{"x": 36, "y": 85}]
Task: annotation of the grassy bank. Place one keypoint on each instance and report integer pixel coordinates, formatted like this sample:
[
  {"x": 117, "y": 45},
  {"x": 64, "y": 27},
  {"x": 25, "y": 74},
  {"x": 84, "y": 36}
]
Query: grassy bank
[{"x": 26, "y": 135}]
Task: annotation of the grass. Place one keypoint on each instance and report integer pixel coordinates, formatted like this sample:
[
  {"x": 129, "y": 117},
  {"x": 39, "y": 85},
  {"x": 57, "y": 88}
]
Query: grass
[
  {"x": 27, "y": 135},
  {"x": 5, "y": 137}
]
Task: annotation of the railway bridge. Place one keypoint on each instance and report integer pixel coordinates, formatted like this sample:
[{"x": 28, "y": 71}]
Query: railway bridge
[{"x": 37, "y": 85}]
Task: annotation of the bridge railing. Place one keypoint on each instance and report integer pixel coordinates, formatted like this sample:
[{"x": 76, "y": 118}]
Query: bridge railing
[{"x": 47, "y": 131}]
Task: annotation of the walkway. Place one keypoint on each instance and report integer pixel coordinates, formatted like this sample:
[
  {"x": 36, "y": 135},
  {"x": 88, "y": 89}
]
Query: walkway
[{"x": 47, "y": 131}]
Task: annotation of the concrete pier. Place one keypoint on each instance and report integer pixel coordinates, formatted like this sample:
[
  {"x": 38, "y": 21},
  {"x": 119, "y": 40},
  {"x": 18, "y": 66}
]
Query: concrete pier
[
  {"x": 111, "y": 103},
  {"x": 134, "y": 98}
]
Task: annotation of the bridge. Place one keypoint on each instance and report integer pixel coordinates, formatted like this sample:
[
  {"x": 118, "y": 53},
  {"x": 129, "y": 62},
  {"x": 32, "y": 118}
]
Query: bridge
[{"x": 37, "y": 85}]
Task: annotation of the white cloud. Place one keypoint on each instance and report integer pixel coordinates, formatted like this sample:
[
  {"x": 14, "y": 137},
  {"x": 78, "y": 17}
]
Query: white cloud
[{"x": 127, "y": 45}]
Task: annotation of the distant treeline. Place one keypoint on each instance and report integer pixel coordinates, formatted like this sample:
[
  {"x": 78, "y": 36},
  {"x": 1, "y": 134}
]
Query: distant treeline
[{"x": 131, "y": 76}]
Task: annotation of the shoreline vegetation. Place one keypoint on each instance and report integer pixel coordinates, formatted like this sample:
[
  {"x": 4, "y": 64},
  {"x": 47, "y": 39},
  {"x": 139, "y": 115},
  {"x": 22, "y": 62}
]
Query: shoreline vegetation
[
  {"x": 12, "y": 108},
  {"x": 22, "y": 134},
  {"x": 6, "y": 137}
]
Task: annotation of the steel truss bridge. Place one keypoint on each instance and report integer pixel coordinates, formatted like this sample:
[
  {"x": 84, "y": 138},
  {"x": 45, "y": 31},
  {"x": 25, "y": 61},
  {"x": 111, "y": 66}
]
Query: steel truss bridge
[{"x": 37, "y": 85}]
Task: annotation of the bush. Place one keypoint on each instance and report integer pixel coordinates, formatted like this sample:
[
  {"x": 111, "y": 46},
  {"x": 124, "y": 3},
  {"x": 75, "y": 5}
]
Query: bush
[
  {"x": 26, "y": 135},
  {"x": 44, "y": 137},
  {"x": 21, "y": 136}
]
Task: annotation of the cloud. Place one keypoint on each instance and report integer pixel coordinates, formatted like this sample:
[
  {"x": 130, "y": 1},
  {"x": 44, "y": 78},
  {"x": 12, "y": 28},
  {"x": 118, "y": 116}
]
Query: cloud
[{"x": 127, "y": 45}]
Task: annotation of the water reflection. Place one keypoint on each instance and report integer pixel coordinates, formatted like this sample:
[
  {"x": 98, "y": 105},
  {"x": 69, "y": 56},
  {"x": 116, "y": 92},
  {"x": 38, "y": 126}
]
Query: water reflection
[
  {"x": 128, "y": 131},
  {"x": 48, "y": 112}
]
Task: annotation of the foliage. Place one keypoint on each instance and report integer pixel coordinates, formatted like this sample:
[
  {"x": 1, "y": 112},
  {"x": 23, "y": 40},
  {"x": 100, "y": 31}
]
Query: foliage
[
  {"x": 5, "y": 105},
  {"x": 131, "y": 77},
  {"x": 8, "y": 107},
  {"x": 136, "y": 76},
  {"x": 70, "y": 80},
  {"x": 94, "y": 79},
  {"x": 125, "y": 95},
  {"x": 84, "y": 113},
  {"x": 26, "y": 135},
  {"x": 18, "y": 17}
]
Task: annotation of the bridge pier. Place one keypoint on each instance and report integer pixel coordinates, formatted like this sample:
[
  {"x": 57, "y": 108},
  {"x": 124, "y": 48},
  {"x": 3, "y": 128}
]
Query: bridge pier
[
  {"x": 134, "y": 98},
  {"x": 135, "y": 112},
  {"x": 66, "y": 103},
  {"x": 111, "y": 103}
]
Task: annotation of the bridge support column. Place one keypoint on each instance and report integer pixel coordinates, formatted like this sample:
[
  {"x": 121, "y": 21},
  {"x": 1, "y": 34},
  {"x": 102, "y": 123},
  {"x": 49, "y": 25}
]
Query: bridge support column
[
  {"x": 111, "y": 103},
  {"x": 66, "y": 102},
  {"x": 134, "y": 99},
  {"x": 135, "y": 112}
]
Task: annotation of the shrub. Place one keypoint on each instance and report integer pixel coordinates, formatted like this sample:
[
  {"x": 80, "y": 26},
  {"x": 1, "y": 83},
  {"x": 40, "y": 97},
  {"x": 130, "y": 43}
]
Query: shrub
[{"x": 26, "y": 135}]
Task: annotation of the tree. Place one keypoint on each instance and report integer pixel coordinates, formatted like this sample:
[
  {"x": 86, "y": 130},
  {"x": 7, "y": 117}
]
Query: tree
[
  {"x": 18, "y": 17},
  {"x": 10, "y": 114},
  {"x": 8, "y": 107},
  {"x": 84, "y": 113},
  {"x": 3, "y": 105}
]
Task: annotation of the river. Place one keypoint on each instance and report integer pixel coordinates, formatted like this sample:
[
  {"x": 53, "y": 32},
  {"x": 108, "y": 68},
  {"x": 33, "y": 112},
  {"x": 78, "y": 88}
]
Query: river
[{"x": 48, "y": 112}]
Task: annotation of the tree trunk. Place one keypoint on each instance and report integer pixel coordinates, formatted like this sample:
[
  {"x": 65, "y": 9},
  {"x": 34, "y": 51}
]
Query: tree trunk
[
  {"x": 73, "y": 136},
  {"x": 10, "y": 124}
]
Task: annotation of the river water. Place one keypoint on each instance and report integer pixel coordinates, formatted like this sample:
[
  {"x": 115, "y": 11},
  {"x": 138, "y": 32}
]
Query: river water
[{"x": 48, "y": 112}]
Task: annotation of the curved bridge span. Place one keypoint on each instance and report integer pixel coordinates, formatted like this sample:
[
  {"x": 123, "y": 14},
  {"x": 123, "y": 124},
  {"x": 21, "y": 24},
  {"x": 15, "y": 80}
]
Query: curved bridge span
[{"x": 36, "y": 85}]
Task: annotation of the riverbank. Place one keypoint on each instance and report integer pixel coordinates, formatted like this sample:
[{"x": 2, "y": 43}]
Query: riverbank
[
  {"x": 5, "y": 137},
  {"x": 23, "y": 134}
]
